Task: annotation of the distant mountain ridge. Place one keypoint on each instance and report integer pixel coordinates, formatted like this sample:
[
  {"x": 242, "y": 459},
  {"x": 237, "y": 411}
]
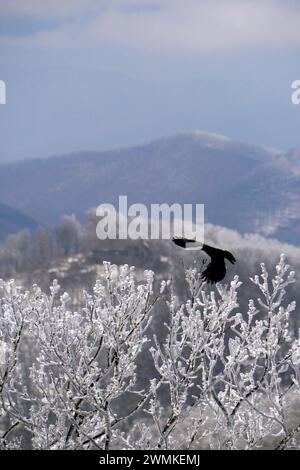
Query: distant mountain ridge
[
  {"x": 245, "y": 187},
  {"x": 12, "y": 221}
]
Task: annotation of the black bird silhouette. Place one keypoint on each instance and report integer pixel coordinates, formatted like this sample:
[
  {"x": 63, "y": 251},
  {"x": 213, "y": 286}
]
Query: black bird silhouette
[{"x": 216, "y": 269}]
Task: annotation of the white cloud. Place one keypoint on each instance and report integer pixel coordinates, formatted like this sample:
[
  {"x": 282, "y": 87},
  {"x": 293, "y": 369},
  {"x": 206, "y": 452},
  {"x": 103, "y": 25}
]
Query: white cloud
[{"x": 170, "y": 25}]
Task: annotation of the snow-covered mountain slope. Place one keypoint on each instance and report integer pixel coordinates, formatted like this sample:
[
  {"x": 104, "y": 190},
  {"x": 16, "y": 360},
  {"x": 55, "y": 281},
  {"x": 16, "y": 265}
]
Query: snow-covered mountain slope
[{"x": 243, "y": 186}]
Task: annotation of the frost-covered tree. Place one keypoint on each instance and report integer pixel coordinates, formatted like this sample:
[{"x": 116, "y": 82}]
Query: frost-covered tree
[
  {"x": 217, "y": 377},
  {"x": 68, "y": 234}
]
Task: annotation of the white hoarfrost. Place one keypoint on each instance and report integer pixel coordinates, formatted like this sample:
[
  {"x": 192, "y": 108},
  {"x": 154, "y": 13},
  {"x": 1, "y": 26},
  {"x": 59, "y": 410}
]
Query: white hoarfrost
[{"x": 211, "y": 376}]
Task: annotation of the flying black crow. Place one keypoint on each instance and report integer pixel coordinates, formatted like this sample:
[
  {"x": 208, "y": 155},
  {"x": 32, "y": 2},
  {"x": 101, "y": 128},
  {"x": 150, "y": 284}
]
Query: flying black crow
[{"x": 216, "y": 269}]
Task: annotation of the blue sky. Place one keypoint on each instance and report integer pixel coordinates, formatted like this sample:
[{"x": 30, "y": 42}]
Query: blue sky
[{"x": 99, "y": 74}]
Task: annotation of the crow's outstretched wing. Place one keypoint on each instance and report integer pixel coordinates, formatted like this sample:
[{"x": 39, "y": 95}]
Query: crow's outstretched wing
[
  {"x": 188, "y": 244},
  {"x": 229, "y": 256},
  {"x": 213, "y": 252}
]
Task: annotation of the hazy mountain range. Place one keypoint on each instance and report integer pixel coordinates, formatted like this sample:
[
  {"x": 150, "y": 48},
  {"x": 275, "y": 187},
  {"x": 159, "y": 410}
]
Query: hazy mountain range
[
  {"x": 244, "y": 187},
  {"x": 12, "y": 220}
]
